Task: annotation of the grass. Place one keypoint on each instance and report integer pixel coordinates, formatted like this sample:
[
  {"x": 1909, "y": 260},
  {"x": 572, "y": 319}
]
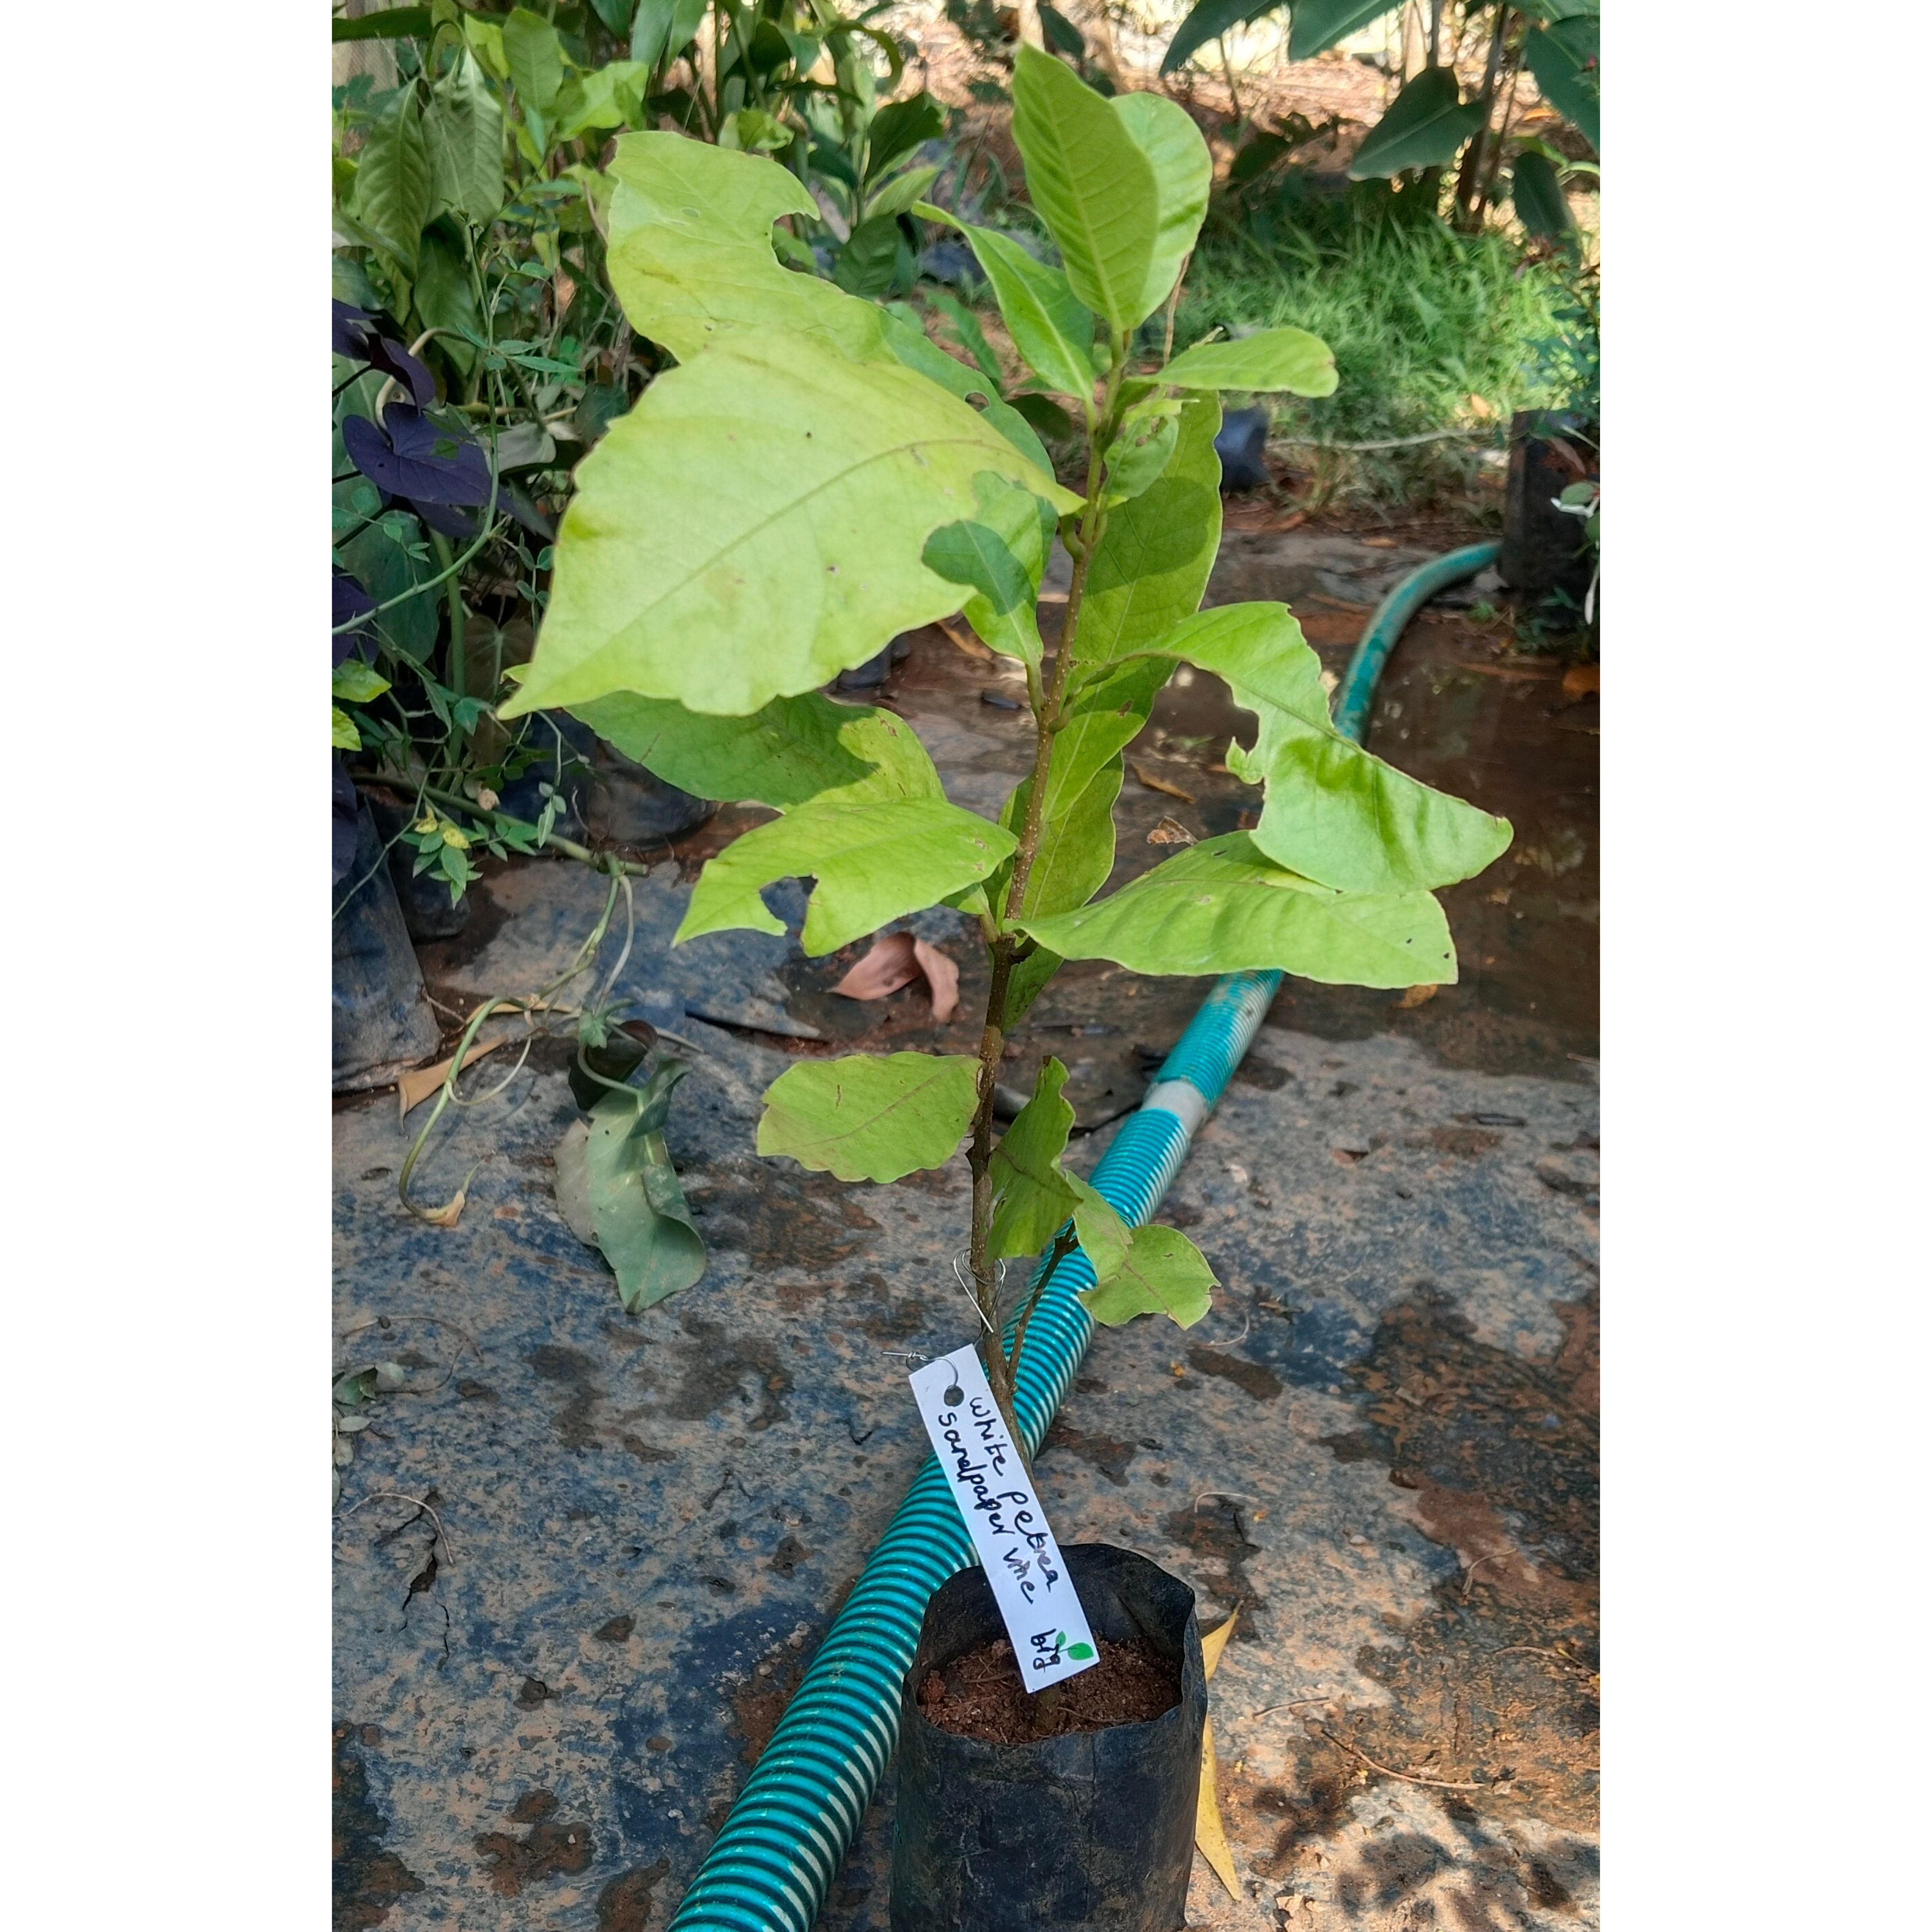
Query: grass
[{"x": 1431, "y": 330}]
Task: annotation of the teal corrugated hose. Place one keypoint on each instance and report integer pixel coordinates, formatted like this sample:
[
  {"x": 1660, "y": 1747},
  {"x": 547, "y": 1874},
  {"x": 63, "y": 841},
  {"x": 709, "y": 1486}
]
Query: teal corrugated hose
[{"x": 772, "y": 1863}]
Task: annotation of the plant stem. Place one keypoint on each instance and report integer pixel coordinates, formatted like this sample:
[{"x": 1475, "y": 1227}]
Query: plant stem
[{"x": 1046, "y": 699}]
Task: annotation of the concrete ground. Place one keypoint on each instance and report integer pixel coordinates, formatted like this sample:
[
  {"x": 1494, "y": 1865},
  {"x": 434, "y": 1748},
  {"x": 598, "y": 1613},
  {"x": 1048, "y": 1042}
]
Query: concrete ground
[{"x": 582, "y": 1557}]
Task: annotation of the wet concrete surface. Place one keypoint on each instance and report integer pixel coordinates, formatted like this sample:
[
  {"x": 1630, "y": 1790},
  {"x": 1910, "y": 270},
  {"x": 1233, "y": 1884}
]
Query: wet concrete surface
[{"x": 1381, "y": 1443}]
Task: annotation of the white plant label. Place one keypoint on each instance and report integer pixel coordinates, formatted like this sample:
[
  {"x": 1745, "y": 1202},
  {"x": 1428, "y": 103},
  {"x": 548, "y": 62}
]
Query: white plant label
[{"x": 1045, "y": 1623}]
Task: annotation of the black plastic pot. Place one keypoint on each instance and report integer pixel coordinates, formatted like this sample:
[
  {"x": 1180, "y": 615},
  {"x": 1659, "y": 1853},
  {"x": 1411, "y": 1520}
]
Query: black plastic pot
[
  {"x": 1091, "y": 1832},
  {"x": 1543, "y": 549},
  {"x": 382, "y": 1023},
  {"x": 1242, "y": 446}
]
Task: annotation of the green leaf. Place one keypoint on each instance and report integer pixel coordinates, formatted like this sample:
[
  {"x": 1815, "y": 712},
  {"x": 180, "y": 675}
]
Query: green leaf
[
  {"x": 387, "y": 23},
  {"x": 1076, "y": 851},
  {"x": 1541, "y": 206},
  {"x": 1183, "y": 171},
  {"x": 911, "y": 345},
  {"x": 535, "y": 56},
  {"x": 1152, "y": 564},
  {"x": 1092, "y": 185},
  {"x": 609, "y": 97},
  {"x": 1164, "y": 1274},
  {"x": 1317, "y": 25},
  {"x": 616, "y": 14},
  {"x": 755, "y": 525},
  {"x": 1031, "y": 1199},
  {"x": 966, "y": 329},
  {"x": 793, "y": 751},
  {"x": 342, "y": 732},
  {"x": 393, "y": 182},
  {"x": 663, "y": 28},
  {"x": 357, "y": 682},
  {"x": 618, "y": 1191},
  {"x": 1028, "y": 981},
  {"x": 1142, "y": 450},
  {"x": 1051, "y": 327},
  {"x": 462, "y": 130},
  {"x": 899, "y": 127},
  {"x": 868, "y": 261},
  {"x": 902, "y": 191},
  {"x": 1424, "y": 128},
  {"x": 1080, "y": 1652},
  {"x": 1258, "y": 647},
  {"x": 1002, "y": 555},
  {"x": 445, "y": 297},
  {"x": 1565, "y": 59},
  {"x": 690, "y": 252},
  {"x": 1335, "y": 813},
  {"x": 1034, "y": 1197},
  {"x": 873, "y": 862},
  {"x": 1223, "y": 906},
  {"x": 1271, "y": 358},
  {"x": 871, "y": 1118},
  {"x": 1210, "y": 20}
]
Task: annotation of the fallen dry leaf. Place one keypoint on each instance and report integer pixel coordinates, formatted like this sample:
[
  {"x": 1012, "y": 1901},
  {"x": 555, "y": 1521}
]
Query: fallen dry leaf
[
  {"x": 957, "y": 634},
  {"x": 1379, "y": 543},
  {"x": 1170, "y": 832},
  {"x": 1289, "y": 522},
  {"x": 1209, "y": 1836},
  {"x": 942, "y": 976},
  {"x": 1415, "y": 996},
  {"x": 1162, "y": 785},
  {"x": 447, "y": 1215},
  {"x": 413, "y": 1089},
  {"x": 896, "y": 959},
  {"x": 888, "y": 965},
  {"x": 1504, "y": 670},
  {"x": 1579, "y": 680}
]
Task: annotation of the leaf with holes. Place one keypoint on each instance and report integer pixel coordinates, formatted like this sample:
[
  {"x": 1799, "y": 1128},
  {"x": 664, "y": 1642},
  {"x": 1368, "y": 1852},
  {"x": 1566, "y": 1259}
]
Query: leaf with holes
[
  {"x": 794, "y": 750},
  {"x": 873, "y": 862},
  {"x": 869, "y": 1117},
  {"x": 1163, "y": 1273},
  {"x": 754, "y": 526}
]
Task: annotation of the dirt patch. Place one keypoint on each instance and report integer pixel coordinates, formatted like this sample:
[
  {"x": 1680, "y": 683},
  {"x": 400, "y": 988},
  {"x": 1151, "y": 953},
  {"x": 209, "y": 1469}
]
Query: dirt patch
[
  {"x": 1216, "y": 1532},
  {"x": 758, "y": 1704},
  {"x": 368, "y": 1882},
  {"x": 545, "y": 1849},
  {"x": 624, "y": 1905},
  {"x": 571, "y": 1368},
  {"x": 1493, "y": 1455},
  {"x": 1107, "y": 1453},
  {"x": 715, "y": 1365},
  {"x": 980, "y": 1695},
  {"x": 1250, "y": 1378},
  {"x": 788, "y": 1226}
]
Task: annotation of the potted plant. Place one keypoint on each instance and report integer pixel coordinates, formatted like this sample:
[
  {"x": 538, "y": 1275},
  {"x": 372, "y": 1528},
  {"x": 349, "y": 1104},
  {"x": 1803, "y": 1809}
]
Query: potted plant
[{"x": 815, "y": 477}]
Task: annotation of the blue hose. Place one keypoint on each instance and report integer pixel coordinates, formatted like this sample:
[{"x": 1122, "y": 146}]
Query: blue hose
[{"x": 771, "y": 1865}]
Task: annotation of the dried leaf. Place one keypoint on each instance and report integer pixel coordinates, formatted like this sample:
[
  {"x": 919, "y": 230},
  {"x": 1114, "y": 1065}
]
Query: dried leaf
[
  {"x": 1579, "y": 680},
  {"x": 413, "y": 1089},
  {"x": 958, "y": 635},
  {"x": 1413, "y": 996},
  {"x": 895, "y": 959},
  {"x": 1216, "y": 1641},
  {"x": 1209, "y": 1837},
  {"x": 942, "y": 976},
  {"x": 1161, "y": 785},
  {"x": 889, "y": 964},
  {"x": 447, "y": 1215},
  {"x": 1170, "y": 832},
  {"x": 1208, "y": 1834}
]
